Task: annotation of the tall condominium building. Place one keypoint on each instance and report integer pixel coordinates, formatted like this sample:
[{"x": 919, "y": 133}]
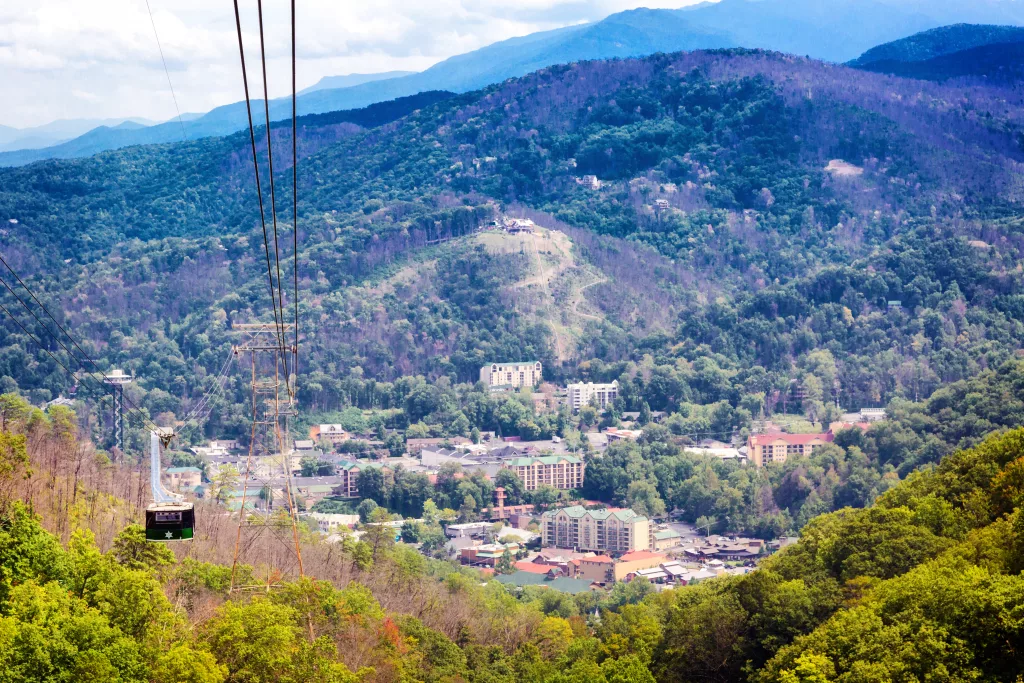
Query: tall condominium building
[
  {"x": 580, "y": 395},
  {"x": 768, "y": 448},
  {"x": 500, "y": 376},
  {"x": 348, "y": 473},
  {"x": 559, "y": 471},
  {"x": 613, "y": 531}
]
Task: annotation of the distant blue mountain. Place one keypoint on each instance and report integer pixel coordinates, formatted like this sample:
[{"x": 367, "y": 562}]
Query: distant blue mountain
[
  {"x": 833, "y": 30},
  {"x": 349, "y": 80},
  {"x": 941, "y": 41},
  {"x": 56, "y": 131},
  {"x": 995, "y": 53}
]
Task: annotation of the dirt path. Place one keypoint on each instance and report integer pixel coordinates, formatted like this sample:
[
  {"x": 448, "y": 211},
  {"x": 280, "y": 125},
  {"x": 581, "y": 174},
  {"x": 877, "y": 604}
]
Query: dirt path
[{"x": 577, "y": 299}]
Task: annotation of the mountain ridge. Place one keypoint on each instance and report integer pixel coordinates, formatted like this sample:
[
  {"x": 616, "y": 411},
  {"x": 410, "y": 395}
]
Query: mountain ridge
[{"x": 796, "y": 27}]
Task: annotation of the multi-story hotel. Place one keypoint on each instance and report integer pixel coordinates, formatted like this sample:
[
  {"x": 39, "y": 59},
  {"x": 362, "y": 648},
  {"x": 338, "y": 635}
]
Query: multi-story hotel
[
  {"x": 769, "y": 448},
  {"x": 559, "y": 471},
  {"x": 498, "y": 376},
  {"x": 612, "y": 531},
  {"x": 579, "y": 395},
  {"x": 348, "y": 472}
]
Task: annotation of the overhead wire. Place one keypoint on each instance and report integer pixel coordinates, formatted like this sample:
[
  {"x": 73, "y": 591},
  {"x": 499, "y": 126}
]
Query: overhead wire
[
  {"x": 273, "y": 192},
  {"x": 213, "y": 390},
  {"x": 166, "y": 71},
  {"x": 295, "y": 203},
  {"x": 256, "y": 168},
  {"x": 97, "y": 376}
]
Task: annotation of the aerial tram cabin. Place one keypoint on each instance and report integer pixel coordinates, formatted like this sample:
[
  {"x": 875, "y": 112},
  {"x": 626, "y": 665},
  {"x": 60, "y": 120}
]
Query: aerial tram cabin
[
  {"x": 168, "y": 517},
  {"x": 175, "y": 521}
]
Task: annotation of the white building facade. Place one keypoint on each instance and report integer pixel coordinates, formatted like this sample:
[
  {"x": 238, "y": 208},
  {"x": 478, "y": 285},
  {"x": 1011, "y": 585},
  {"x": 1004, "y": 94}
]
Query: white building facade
[
  {"x": 579, "y": 395},
  {"x": 498, "y": 376}
]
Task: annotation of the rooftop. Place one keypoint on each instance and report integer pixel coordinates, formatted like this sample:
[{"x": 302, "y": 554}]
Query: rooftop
[
  {"x": 533, "y": 568},
  {"x": 563, "y": 584},
  {"x": 640, "y": 555},
  {"x": 578, "y": 511},
  {"x": 544, "y": 460},
  {"x": 598, "y": 558},
  {"x": 791, "y": 439}
]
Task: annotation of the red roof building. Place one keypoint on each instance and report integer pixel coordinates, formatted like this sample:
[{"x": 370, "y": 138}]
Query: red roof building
[{"x": 533, "y": 567}]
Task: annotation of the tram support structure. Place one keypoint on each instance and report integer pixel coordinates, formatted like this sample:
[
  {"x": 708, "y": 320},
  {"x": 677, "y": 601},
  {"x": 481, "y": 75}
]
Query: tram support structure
[{"x": 267, "y": 537}]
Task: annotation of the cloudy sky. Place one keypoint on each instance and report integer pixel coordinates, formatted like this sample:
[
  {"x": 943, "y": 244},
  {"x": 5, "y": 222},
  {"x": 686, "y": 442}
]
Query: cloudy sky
[{"x": 99, "y": 58}]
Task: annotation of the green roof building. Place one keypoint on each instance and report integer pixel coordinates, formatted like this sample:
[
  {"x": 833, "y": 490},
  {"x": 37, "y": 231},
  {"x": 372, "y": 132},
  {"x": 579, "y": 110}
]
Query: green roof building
[{"x": 604, "y": 530}]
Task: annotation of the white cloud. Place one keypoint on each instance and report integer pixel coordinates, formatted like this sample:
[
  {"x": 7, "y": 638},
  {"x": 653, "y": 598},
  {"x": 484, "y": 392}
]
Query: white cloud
[{"x": 98, "y": 59}]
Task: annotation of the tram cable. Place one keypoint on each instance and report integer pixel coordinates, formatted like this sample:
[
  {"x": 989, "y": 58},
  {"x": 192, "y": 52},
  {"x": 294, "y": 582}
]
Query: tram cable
[
  {"x": 160, "y": 47},
  {"x": 97, "y": 376},
  {"x": 256, "y": 168},
  {"x": 295, "y": 203},
  {"x": 273, "y": 184}
]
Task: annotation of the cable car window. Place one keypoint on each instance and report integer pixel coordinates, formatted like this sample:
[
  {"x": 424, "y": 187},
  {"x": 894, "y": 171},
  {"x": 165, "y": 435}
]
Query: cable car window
[{"x": 168, "y": 517}]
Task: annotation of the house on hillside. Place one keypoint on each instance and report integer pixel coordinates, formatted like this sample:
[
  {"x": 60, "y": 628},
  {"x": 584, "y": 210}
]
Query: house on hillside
[
  {"x": 334, "y": 433},
  {"x": 184, "y": 478}
]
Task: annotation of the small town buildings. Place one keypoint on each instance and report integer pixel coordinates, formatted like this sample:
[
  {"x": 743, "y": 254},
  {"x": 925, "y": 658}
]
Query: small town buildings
[
  {"x": 414, "y": 446},
  {"x": 562, "y": 584},
  {"x": 603, "y": 530},
  {"x": 329, "y": 523},
  {"x": 184, "y": 478},
  {"x": 668, "y": 538},
  {"x": 579, "y": 395},
  {"x": 776, "y": 448},
  {"x": 836, "y": 427},
  {"x": 348, "y": 478},
  {"x": 597, "y": 569},
  {"x": 615, "y": 434},
  {"x": 225, "y": 444},
  {"x": 305, "y": 446},
  {"x": 661, "y": 204},
  {"x": 488, "y": 462},
  {"x": 722, "y": 453},
  {"x": 563, "y": 472},
  {"x": 468, "y": 530},
  {"x": 334, "y": 433},
  {"x": 591, "y": 182},
  {"x": 872, "y": 414},
  {"x": 488, "y": 555},
  {"x": 534, "y": 568},
  {"x": 511, "y": 376},
  {"x": 634, "y": 561}
]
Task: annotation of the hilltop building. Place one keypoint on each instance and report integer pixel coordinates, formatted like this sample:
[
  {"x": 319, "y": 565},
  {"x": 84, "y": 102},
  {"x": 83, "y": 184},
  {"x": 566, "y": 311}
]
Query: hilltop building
[
  {"x": 331, "y": 432},
  {"x": 768, "y": 448},
  {"x": 581, "y": 394},
  {"x": 511, "y": 376},
  {"x": 612, "y": 531}
]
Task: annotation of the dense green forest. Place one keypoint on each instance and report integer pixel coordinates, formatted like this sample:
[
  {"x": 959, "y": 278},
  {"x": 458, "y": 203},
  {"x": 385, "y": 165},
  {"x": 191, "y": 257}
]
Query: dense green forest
[
  {"x": 925, "y": 583},
  {"x": 735, "y": 276},
  {"x": 905, "y": 274}
]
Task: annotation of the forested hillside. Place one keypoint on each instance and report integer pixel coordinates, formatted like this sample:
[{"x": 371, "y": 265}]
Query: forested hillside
[
  {"x": 852, "y": 232},
  {"x": 927, "y": 581}
]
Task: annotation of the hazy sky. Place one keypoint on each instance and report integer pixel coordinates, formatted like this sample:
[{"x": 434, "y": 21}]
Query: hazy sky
[{"x": 99, "y": 58}]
